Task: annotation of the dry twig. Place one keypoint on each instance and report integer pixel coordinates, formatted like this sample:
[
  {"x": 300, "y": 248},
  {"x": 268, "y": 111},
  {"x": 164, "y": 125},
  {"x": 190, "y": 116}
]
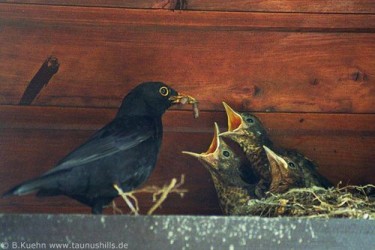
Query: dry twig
[{"x": 159, "y": 194}]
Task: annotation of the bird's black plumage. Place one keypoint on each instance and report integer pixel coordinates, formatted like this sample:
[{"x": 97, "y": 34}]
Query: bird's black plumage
[{"x": 124, "y": 152}]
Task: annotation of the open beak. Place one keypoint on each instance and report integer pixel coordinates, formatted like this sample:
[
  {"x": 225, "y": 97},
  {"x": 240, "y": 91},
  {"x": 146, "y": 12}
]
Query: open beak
[
  {"x": 209, "y": 155},
  {"x": 234, "y": 119},
  {"x": 195, "y": 155},
  {"x": 215, "y": 141},
  {"x": 277, "y": 163},
  {"x": 235, "y": 122},
  {"x": 183, "y": 99}
]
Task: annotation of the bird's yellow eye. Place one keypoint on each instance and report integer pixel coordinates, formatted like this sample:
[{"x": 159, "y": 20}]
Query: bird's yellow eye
[{"x": 164, "y": 91}]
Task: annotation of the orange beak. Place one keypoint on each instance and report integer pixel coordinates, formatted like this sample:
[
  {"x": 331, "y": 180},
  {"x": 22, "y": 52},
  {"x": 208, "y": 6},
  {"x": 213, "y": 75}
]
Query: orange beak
[
  {"x": 234, "y": 119},
  {"x": 209, "y": 155}
]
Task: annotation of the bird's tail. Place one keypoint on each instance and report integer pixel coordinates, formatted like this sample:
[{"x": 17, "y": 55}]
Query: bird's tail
[{"x": 31, "y": 186}]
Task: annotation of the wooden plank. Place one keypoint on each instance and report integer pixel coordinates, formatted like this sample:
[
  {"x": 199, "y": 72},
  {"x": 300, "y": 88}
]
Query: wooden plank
[
  {"x": 197, "y": 20},
  {"x": 32, "y": 139},
  {"x": 263, "y": 63},
  {"x": 320, "y": 6},
  {"x": 183, "y": 232},
  {"x": 176, "y": 120},
  {"x": 139, "y": 4}
]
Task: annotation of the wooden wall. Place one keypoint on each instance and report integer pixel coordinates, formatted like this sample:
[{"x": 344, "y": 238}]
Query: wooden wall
[{"x": 306, "y": 68}]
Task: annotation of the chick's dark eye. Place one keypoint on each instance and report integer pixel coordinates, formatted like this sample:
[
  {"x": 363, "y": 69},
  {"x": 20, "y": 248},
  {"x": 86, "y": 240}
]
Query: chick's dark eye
[
  {"x": 164, "y": 91},
  {"x": 250, "y": 120},
  {"x": 226, "y": 153},
  {"x": 291, "y": 165}
]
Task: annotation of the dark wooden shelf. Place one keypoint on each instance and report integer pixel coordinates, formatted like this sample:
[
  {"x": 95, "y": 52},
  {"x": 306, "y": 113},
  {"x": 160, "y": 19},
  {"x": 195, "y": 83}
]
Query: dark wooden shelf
[{"x": 187, "y": 232}]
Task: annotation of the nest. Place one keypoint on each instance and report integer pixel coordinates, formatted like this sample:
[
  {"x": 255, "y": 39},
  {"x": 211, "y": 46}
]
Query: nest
[{"x": 315, "y": 202}]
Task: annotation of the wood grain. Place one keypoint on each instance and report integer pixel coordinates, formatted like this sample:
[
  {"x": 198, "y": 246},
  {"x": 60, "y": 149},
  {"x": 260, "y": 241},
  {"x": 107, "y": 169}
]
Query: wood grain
[
  {"x": 341, "y": 143},
  {"x": 138, "y": 4},
  {"x": 320, "y": 6},
  {"x": 263, "y": 64},
  {"x": 314, "y": 73},
  {"x": 196, "y": 20}
]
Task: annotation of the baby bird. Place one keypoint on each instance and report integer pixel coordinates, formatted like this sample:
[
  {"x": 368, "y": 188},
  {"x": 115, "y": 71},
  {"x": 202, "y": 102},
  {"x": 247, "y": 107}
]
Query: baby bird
[
  {"x": 292, "y": 170},
  {"x": 248, "y": 132},
  {"x": 225, "y": 166}
]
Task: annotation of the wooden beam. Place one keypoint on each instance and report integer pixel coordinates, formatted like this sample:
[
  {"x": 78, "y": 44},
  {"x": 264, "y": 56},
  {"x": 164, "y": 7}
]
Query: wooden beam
[
  {"x": 33, "y": 139},
  {"x": 65, "y": 15},
  {"x": 256, "y": 61},
  {"x": 320, "y": 6}
]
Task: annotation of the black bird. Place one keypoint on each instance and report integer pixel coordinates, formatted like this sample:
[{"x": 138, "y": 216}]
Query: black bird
[
  {"x": 225, "y": 167},
  {"x": 293, "y": 170},
  {"x": 122, "y": 153}
]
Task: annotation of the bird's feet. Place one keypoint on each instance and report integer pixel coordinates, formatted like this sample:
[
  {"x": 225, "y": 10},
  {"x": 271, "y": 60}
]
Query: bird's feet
[{"x": 134, "y": 208}]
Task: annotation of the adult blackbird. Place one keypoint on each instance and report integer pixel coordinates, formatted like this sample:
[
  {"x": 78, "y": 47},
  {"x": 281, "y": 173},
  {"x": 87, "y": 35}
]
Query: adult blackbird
[
  {"x": 225, "y": 166},
  {"x": 248, "y": 131},
  {"x": 122, "y": 153},
  {"x": 293, "y": 170}
]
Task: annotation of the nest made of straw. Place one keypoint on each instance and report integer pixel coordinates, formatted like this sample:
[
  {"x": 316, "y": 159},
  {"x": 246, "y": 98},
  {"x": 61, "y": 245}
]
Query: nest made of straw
[{"x": 348, "y": 202}]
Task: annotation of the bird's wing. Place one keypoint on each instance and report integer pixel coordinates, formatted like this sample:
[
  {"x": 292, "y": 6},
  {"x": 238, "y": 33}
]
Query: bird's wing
[{"x": 119, "y": 135}]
